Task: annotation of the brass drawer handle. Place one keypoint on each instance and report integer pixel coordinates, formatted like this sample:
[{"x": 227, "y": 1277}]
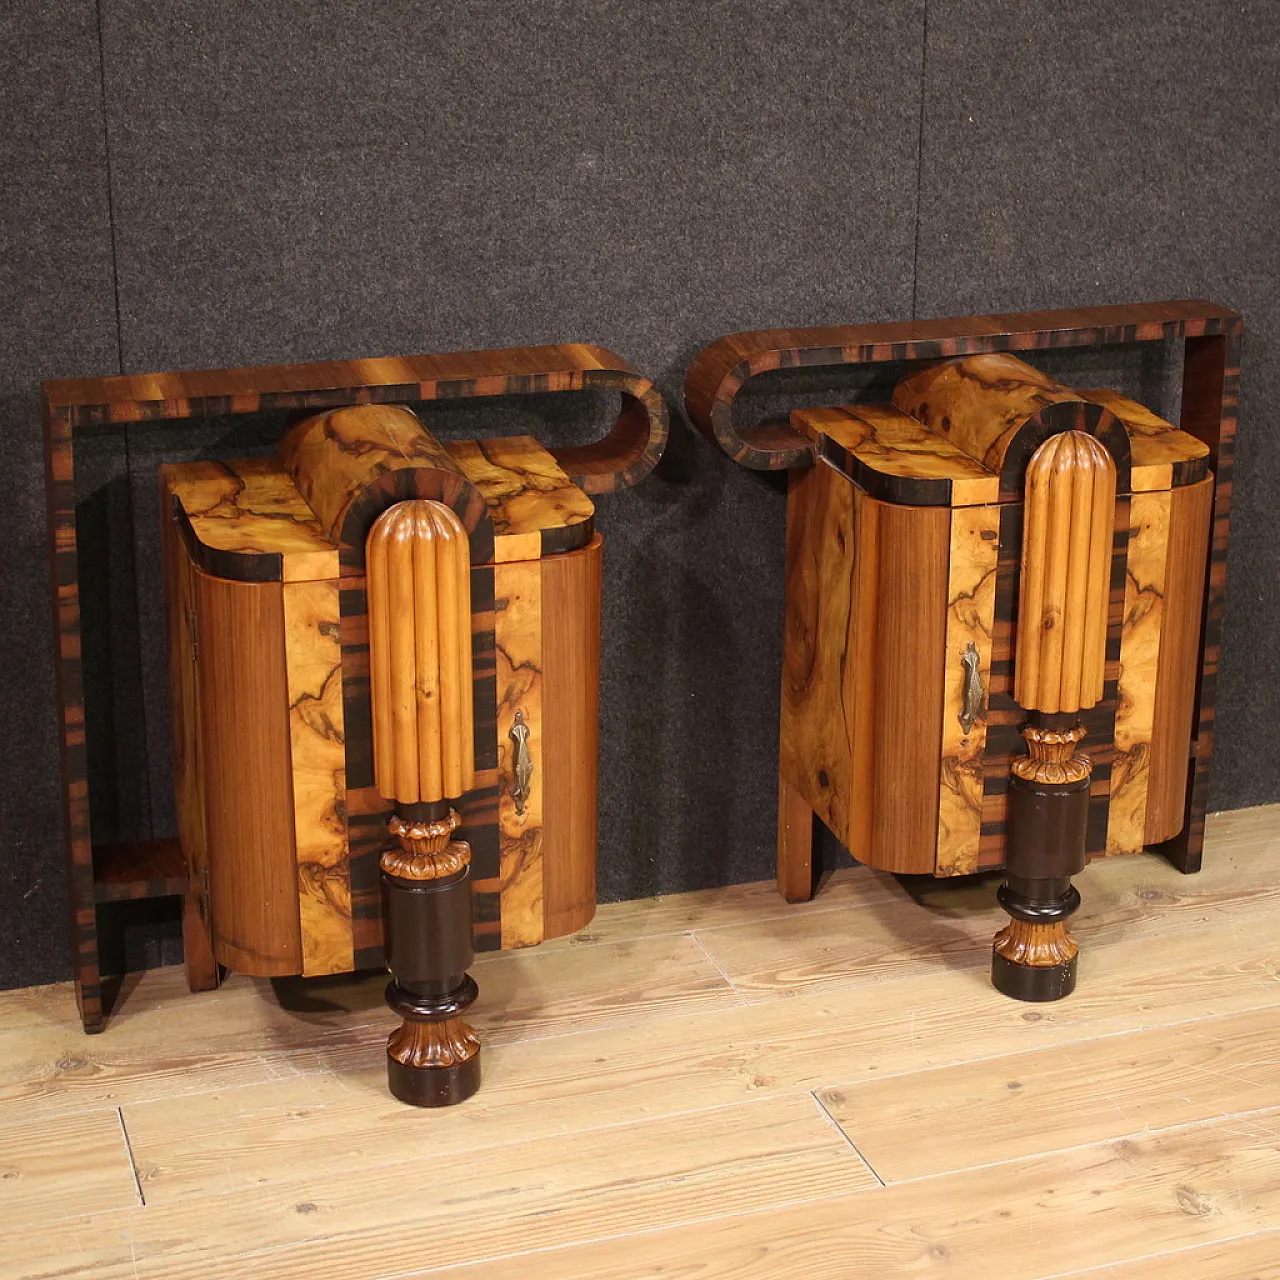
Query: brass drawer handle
[
  {"x": 975, "y": 696},
  {"x": 522, "y": 763}
]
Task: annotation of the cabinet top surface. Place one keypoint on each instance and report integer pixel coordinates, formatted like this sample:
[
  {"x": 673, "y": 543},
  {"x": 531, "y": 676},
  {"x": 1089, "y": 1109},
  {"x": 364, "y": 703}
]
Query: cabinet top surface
[{"x": 248, "y": 509}]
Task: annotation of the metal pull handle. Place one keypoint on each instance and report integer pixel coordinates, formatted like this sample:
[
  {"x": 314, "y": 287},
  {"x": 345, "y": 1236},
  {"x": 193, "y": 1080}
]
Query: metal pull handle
[
  {"x": 522, "y": 763},
  {"x": 975, "y": 696}
]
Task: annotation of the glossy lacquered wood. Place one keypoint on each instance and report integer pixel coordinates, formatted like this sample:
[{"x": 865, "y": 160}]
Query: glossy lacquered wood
[
  {"x": 863, "y": 670},
  {"x": 959, "y": 432},
  {"x": 296, "y": 547},
  {"x": 246, "y": 780}
]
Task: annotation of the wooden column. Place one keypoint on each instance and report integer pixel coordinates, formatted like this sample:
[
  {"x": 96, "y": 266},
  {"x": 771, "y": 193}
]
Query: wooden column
[
  {"x": 1069, "y": 512},
  {"x": 419, "y": 601}
]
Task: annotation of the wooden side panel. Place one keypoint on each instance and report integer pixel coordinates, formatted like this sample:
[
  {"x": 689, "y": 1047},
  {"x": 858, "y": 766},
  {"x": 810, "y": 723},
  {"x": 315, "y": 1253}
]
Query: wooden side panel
[
  {"x": 910, "y": 630},
  {"x": 1190, "y": 512},
  {"x": 571, "y": 587},
  {"x": 971, "y": 606},
  {"x": 184, "y": 696},
  {"x": 517, "y": 589},
  {"x": 815, "y": 756},
  {"x": 313, "y": 658},
  {"x": 248, "y": 791},
  {"x": 1140, "y": 645}
]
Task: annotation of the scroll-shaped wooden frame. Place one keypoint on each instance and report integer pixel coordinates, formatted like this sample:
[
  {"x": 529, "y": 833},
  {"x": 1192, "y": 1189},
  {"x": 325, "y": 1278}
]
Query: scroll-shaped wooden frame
[
  {"x": 618, "y": 460},
  {"x": 1210, "y": 336}
]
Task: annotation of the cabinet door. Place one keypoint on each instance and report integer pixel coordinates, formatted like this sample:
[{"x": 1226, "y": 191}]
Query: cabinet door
[{"x": 547, "y": 643}]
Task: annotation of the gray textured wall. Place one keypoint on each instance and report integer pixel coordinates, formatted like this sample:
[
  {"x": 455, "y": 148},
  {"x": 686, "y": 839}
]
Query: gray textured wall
[{"x": 196, "y": 184}]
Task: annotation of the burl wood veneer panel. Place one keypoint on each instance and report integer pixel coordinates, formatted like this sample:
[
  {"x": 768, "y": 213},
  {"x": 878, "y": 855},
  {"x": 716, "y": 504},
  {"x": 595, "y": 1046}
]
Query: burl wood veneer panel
[
  {"x": 973, "y": 559},
  {"x": 317, "y": 743},
  {"x": 1145, "y": 594},
  {"x": 248, "y": 789},
  {"x": 248, "y": 521},
  {"x": 852, "y": 644},
  {"x": 518, "y": 647},
  {"x": 536, "y": 510}
]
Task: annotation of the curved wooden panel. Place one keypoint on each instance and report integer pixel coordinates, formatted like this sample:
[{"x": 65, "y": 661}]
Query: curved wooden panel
[
  {"x": 999, "y": 410},
  {"x": 352, "y": 464},
  {"x": 419, "y": 600},
  {"x": 623, "y": 457},
  {"x": 1190, "y": 515},
  {"x": 1060, "y": 659},
  {"x": 720, "y": 370},
  {"x": 244, "y": 727},
  {"x": 571, "y": 587}
]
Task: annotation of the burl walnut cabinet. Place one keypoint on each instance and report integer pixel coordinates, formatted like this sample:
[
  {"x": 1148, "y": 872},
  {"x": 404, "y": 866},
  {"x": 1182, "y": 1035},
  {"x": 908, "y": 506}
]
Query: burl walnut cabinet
[
  {"x": 1003, "y": 604},
  {"x": 384, "y": 657}
]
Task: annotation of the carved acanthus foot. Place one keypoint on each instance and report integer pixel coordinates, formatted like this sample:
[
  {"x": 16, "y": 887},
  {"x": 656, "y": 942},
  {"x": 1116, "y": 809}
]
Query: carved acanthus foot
[
  {"x": 1053, "y": 758},
  {"x": 425, "y": 850},
  {"x": 1038, "y": 945},
  {"x": 423, "y": 1045}
]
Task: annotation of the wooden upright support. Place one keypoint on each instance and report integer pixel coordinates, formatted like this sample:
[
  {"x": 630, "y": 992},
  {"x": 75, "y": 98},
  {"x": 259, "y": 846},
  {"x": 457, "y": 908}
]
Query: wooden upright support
[
  {"x": 419, "y": 601},
  {"x": 1060, "y": 657}
]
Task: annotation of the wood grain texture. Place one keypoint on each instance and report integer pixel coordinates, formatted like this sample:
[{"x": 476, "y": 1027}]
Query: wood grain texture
[
  {"x": 818, "y": 680},
  {"x": 982, "y": 403},
  {"x": 720, "y": 370},
  {"x": 559, "y": 1189},
  {"x": 1140, "y": 642},
  {"x": 623, "y": 457},
  {"x": 248, "y": 788},
  {"x": 895, "y": 458},
  {"x": 536, "y": 510},
  {"x": 518, "y": 624},
  {"x": 317, "y": 750},
  {"x": 139, "y": 869},
  {"x": 980, "y": 1113},
  {"x": 1162, "y": 457},
  {"x": 863, "y": 666},
  {"x": 571, "y": 593},
  {"x": 1064, "y": 586},
  {"x": 245, "y": 519},
  {"x": 1210, "y": 403},
  {"x": 1105, "y": 1203},
  {"x": 1255, "y": 1256},
  {"x": 350, "y": 464},
  {"x": 247, "y": 1040},
  {"x": 1190, "y": 513},
  {"x": 1005, "y": 717},
  {"x": 971, "y": 604},
  {"x": 185, "y": 731},
  {"x": 795, "y": 844},
  {"x": 420, "y": 677},
  {"x": 55, "y": 1168}
]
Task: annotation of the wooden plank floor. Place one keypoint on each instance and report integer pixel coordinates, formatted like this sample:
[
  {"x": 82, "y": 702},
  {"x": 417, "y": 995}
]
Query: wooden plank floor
[{"x": 711, "y": 1085}]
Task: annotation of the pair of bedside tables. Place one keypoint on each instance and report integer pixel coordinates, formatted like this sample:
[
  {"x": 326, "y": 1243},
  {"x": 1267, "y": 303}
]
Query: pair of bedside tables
[{"x": 1001, "y": 636}]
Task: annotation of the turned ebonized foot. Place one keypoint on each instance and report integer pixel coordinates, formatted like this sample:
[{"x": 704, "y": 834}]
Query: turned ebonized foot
[
  {"x": 1034, "y": 957},
  {"x": 433, "y": 1057}
]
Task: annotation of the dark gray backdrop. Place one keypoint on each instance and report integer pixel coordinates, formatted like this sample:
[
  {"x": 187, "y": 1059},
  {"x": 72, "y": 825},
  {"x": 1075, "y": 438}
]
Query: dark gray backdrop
[{"x": 191, "y": 184}]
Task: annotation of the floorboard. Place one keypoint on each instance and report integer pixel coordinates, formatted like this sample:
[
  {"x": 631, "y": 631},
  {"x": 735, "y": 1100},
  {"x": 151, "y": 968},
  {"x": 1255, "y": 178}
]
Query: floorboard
[{"x": 711, "y": 1084}]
